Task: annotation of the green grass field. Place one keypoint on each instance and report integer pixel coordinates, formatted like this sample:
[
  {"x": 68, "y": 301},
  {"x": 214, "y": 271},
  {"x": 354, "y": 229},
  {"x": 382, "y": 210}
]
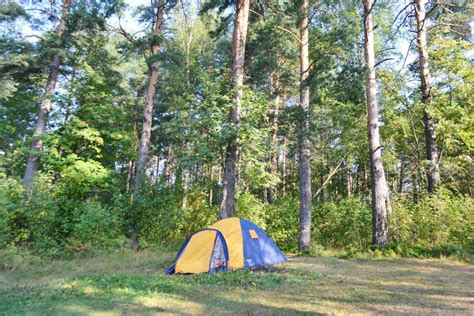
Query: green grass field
[{"x": 128, "y": 283}]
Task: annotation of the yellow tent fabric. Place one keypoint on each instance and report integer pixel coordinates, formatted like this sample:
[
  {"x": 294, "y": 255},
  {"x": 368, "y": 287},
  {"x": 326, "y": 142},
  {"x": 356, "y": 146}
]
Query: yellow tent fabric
[
  {"x": 198, "y": 253},
  {"x": 253, "y": 234},
  {"x": 230, "y": 228}
]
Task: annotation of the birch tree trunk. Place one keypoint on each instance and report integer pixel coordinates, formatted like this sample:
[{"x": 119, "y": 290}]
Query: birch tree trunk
[
  {"x": 379, "y": 188},
  {"x": 144, "y": 144},
  {"x": 239, "y": 39},
  {"x": 304, "y": 142},
  {"x": 432, "y": 168},
  {"x": 32, "y": 165}
]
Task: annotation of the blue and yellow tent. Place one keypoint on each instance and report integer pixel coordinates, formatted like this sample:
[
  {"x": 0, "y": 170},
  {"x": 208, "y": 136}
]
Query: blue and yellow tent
[{"x": 231, "y": 243}]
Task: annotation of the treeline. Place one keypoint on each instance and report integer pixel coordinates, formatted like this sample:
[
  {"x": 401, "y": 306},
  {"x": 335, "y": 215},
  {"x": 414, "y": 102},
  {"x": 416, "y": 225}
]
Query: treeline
[{"x": 341, "y": 124}]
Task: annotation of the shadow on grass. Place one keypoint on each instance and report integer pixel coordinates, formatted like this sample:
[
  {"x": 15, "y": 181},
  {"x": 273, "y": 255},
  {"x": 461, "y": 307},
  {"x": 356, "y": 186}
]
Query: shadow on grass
[
  {"x": 121, "y": 293},
  {"x": 316, "y": 284}
]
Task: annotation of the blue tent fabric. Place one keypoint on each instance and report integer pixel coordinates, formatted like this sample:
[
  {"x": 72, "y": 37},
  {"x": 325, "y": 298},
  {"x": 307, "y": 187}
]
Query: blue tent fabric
[{"x": 261, "y": 251}]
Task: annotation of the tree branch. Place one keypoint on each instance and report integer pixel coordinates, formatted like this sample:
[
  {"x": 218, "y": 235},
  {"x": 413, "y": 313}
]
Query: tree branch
[
  {"x": 401, "y": 11},
  {"x": 331, "y": 174},
  {"x": 382, "y": 61},
  {"x": 278, "y": 27},
  {"x": 44, "y": 11}
]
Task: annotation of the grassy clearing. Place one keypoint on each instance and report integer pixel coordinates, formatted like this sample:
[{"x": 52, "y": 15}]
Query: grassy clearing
[{"x": 134, "y": 283}]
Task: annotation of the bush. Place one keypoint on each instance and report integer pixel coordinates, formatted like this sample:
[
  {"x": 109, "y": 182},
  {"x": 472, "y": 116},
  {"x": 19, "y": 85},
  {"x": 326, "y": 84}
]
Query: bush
[
  {"x": 162, "y": 220},
  {"x": 75, "y": 215},
  {"x": 28, "y": 220},
  {"x": 252, "y": 209},
  {"x": 47, "y": 221},
  {"x": 435, "y": 221},
  {"x": 343, "y": 224},
  {"x": 283, "y": 222},
  {"x": 97, "y": 227},
  {"x": 12, "y": 258}
]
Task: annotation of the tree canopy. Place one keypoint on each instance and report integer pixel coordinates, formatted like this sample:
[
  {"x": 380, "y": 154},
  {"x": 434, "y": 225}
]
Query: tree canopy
[{"x": 156, "y": 108}]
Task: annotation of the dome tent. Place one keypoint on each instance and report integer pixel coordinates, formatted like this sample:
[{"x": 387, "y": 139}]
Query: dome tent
[{"x": 231, "y": 243}]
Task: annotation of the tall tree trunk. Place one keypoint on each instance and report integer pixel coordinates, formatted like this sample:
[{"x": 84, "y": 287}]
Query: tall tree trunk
[
  {"x": 400, "y": 181},
  {"x": 144, "y": 145},
  {"x": 211, "y": 188},
  {"x": 130, "y": 173},
  {"x": 380, "y": 193},
  {"x": 415, "y": 184},
  {"x": 239, "y": 39},
  {"x": 349, "y": 180},
  {"x": 274, "y": 133},
  {"x": 283, "y": 166},
  {"x": 32, "y": 165},
  {"x": 154, "y": 166},
  {"x": 167, "y": 166},
  {"x": 432, "y": 169},
  {"x": 304, "y": 142}
]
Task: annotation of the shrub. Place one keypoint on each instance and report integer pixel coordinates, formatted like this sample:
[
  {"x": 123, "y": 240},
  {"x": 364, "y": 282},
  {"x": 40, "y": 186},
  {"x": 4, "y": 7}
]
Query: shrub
[
  {"x": 434, "y": 221},
  {"x": 12, "y": 258},
  {"x": 342, "y": 224},
  {"x": 162, "y": 220},
  {"x": 252, "y": 209},
  {"x": 47, "y": 221},
  {"x": 28, "y": 220},
  {"x": 283, "y": 222},
  {"x": 97, "y": 227}
]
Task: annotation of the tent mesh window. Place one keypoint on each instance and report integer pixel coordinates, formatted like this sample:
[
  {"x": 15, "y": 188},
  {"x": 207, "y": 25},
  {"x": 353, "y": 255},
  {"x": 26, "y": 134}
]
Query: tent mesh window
[{"x": 218, "y": 261}]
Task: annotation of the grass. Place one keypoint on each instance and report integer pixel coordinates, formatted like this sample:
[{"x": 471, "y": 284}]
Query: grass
[{"x": 129, "y": 283}]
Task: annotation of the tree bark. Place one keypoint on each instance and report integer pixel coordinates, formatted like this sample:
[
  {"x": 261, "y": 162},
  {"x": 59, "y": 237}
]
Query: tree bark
[
  {"x": 167, "y": 166},
  {"x": 211, "y": 189},
  {"x": 304, "y": 142},
  {"x": 349, "y": 181},
  {"x": 32, "y": 165},
  {"x": 154, "y": 166},
  {"x": 274, "y": 133},
  {"x": 432, "y": 168},
  {"x": 239, "y": 39},
  {"x": 283, "y": 166},
  {"x": 144, "y": 145},
  {"x": 379, "y": 188},
  {"x": 130, "y": 173},
  {"x": 402, "y": 170}
]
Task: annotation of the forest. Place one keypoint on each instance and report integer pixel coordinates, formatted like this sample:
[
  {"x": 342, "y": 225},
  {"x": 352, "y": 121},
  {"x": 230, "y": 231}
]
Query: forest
[
  {"x": 335, "y": 125},
  {"x": 343, "y": 128}
]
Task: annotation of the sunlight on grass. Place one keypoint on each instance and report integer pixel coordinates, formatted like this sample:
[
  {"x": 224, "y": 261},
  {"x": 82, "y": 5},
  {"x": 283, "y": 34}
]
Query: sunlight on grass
[{"x": 135, "y": 283}]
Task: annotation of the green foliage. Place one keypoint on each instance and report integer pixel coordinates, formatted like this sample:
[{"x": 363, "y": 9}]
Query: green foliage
[
  {"x": 49, "y": 220},
  {"x": 82, "y": 200},
  {"x": 283, "y": 223},
  {"x": 97, "y": 227},
  {"x": 83, "y": 178},
  {"x": 9, "y": 11},
  {"x": 436, "y": 221},
  {"x": 29, "y": 221},
  {"x": 12, "y": 258},
  {"x": 251, "y": 208},
  {"x": 343, "y": 224}
]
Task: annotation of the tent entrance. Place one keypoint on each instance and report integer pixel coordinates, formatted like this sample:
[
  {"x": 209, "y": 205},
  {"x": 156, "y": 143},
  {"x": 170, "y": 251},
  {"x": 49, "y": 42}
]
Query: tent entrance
[
  {"x": 204, "y": 251},
  {"x": 219, "y": 258}
]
